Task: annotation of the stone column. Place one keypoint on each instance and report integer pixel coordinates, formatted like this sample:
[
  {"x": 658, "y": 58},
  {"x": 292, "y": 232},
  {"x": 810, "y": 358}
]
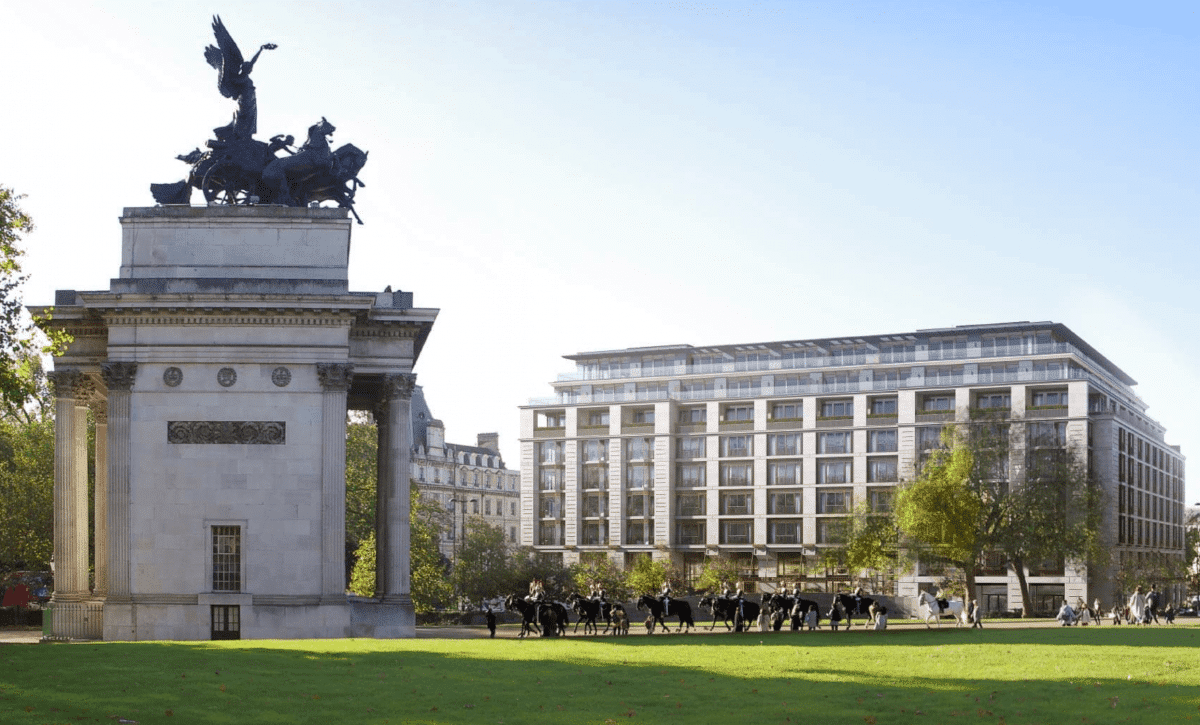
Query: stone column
[
  {"x": 100, "y": 553},
  {"x": 119, "y": 621},
  {"x": 392, "y": 522},
  {"x": 70, "y": 503},
  {"x": 335, "y": 382}
]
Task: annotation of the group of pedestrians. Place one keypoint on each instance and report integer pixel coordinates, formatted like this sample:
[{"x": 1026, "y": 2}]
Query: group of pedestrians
[{"x": 1143, "y": 607}]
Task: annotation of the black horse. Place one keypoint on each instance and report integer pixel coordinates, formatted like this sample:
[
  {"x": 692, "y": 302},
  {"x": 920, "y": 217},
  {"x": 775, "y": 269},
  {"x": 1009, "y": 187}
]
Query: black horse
[
  {"x": 535, "y": 616},
  {"x": 727, "y": 609},
  {"x": 528, "y": 610},
  {"x": 861, "y": 606},
  {"x": 795, "y": 607},
  {"x": 679, "y": 607},
  {"x": 589, "y": 610}
]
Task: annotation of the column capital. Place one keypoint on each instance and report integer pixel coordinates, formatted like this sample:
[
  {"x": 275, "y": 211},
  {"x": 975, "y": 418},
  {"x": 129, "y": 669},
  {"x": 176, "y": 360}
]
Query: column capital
[
  {"x": 100, "y": 411},
  {"x": 68, "y": 383},
  {"x": 398, "y": 385},
  {"x": 119, "y": 375},
  {"x": 335, "y": 376}
]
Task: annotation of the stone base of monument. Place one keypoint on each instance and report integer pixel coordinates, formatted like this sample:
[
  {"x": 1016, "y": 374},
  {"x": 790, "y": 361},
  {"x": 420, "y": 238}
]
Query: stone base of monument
[{"x": 219, "y": 368}]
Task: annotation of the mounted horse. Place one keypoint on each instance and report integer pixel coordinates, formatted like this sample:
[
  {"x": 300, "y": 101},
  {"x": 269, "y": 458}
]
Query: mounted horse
[
  {"x": 528, "y": 610},
  {"x": 935, "y": 611},
  {"x": 856, "y": 605},
  {"x": 727, "y": 609},
  {"x": 795, "y": 607},
  {"x": 589, "y": 610},
  {"x": 679, "y": 607}
]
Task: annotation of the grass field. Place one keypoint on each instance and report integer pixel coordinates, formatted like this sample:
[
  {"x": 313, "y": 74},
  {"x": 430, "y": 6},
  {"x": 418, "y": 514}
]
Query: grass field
[{"x": 1072, "y": 675}]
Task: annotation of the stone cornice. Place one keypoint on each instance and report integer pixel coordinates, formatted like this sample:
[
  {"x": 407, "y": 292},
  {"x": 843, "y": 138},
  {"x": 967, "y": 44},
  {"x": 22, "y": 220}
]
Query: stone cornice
[{"x": 409, "y": 330}]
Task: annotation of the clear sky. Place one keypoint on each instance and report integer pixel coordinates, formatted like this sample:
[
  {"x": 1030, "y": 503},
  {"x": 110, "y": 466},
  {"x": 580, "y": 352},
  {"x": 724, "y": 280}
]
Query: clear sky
[{"x": 562, "y": 177}]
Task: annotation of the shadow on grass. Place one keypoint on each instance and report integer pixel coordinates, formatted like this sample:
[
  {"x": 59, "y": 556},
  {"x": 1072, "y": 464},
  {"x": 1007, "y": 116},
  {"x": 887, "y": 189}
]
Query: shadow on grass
[{"x": 907, "y": 677}]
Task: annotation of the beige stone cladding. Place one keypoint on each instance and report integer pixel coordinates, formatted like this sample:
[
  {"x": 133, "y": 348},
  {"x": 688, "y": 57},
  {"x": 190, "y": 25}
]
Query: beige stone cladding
[
  {"x": 762, "y": 451},
  {"x": 224, "y": 360}
]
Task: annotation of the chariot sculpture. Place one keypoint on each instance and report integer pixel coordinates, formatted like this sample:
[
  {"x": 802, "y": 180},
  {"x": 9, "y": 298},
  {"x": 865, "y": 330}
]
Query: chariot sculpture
[{"x": 236, "y": 168}]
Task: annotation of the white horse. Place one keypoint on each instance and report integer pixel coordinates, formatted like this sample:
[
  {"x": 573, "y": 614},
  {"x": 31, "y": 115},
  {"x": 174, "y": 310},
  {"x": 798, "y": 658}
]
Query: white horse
[{"x": 933, "y": 610}]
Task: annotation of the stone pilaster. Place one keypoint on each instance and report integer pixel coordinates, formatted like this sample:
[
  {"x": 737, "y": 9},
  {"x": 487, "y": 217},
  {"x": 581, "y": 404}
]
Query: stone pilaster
[
  {"x": 70, "y": 504},
  {"x": 100, "y": 553},
  {"x": 335, "y": 382},
  {"x": 119, "y": 620},
  {"x": 395, "y": 444}
]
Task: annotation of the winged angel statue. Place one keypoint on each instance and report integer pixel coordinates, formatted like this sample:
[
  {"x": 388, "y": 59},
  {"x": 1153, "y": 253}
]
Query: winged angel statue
[{"x": 236, "y": 168}]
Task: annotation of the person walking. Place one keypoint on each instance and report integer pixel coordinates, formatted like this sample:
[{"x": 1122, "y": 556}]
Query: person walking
[
  {"x": 1137, "y": 606},
  {"x": 490, "y": 618}
]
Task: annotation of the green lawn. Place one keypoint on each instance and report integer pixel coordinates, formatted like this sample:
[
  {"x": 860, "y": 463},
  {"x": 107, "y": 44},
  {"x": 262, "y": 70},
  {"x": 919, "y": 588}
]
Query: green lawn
[{"x": 1072, "y": 675}]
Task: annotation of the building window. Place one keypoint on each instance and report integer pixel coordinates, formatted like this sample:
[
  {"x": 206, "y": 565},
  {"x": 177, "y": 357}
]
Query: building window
[
  {"x": 552, "y": 419},
  {"x": 639, "y": 449},
  {"x": 784, "y": 444},
  {"x": 595, "y": 477},
  {"x": 879, "y": 500},
  {"x": 690, "y": 533},
  {"x": 784, "y": 532},
  {"x": 550, "y": 479},
  {"x": 639, "y": 506},
  {"x": 837, "y": 409},
  {"x": 881, "y": 441},
  {"x": 833, "y": 502},
  {"x": 937, "y": 403},
  {"x": 883, "y": 406},
  {"x": 594, "y": 451},
  {"x": 737, "y": 446},
  {"x": 737, "y": 532},
  {"x": 551, "y": 507},
  {"x": 737, "y": 504},
  {"x": 833, "y": 472},
  {"x": 550, "y": 453},
  {"x": 595, "y": 506},
  {"x": 639, "y": 532},
  {"x": 475, "y": 506},
  {"x": 691, "y": 504},
  {"x": 787, "y": 411},
  {"x": 639, "y": 475},
  {"x": 691, "y": 447},
  {"x": 738, "y": 413},
  {"x": 929, "y": 438},
  {"x": 226, "y": 621},
  {"x": 596, "y": 418},
  {"x": 550, "y": 533},
  {"x": 487, "y": 506},
  {"x": 1047, "y": 434},
  {"x": 227, "y": 558},
  {"x": 1049, "y": 399},
  {"x": 643, "y": 416},
  {"x": 882, "y": 470},
  {"x": 595, "y": 534},
  {"x": 993, "y": 401},
  {"x": 692, "y": 475},
  {"x": 689, "y": 416},
  {"x": 512, "y": 533},
  {"x": 737, "y": 474},
  {"x": 835, "y": 442},
  {"x": 512, "y": 509},
  {"x": 791, "y": 503},
  {"x": 783, "y": 473}
]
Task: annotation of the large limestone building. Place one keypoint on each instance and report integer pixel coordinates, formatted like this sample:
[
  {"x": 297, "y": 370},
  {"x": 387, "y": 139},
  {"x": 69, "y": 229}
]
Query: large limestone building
[{"x": 220, "y": 366}]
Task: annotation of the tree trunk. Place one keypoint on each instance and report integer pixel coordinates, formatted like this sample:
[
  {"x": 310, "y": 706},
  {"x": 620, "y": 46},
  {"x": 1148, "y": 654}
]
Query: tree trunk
[
  {"x": 969, "y": 574},
  {"x": 1018, "y": 565}
]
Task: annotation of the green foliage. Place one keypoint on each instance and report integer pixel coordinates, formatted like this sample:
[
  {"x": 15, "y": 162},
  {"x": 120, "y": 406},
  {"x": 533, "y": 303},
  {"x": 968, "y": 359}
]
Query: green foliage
[
  {"x": 648, "y": 574},
  {"x": 872, "y": 542},
  {"x": 527, "y": 564},
  {"x": 27, "y": 493},
  {"x": 604, "y": 571},
  {"x": 939, "y": 511},
  {"x": 361, "y": 462},
  {"x": 362, "y": 578},
  {"x": 719, "y": 572},
  {"x": 430, "y": 584},
  {"x": 481, "y": 567}
]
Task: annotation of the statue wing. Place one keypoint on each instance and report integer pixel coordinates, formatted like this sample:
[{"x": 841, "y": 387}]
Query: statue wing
[{"x": 226, "y": 58}]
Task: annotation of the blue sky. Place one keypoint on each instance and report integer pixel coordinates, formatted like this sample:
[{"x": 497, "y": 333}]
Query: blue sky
[{"x": 560, "y": 177}]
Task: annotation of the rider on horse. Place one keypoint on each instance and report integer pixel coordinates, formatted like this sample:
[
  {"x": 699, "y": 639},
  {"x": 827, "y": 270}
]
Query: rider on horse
[{"x": 665, "y": 597}]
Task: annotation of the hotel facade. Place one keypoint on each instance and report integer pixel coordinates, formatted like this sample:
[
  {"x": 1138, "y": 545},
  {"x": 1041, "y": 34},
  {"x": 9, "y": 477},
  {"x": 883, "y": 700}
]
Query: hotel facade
[{"x": 761, "y": 452}]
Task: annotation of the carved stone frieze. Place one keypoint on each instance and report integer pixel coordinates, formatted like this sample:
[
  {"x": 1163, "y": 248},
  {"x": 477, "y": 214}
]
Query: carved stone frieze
[
  {"x": 119, "y": 375},
  {"x": 252, "y": 432},
  {"x": 172, "y": 377},
  {"x": 281, "y": 376},
  {"x": 226, "y": 377},
  {"x": 335, "y": 376}
]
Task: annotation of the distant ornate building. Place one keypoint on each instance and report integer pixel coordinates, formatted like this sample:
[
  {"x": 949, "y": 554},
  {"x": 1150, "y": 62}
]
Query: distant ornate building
[{"x": 468, "y": 481}]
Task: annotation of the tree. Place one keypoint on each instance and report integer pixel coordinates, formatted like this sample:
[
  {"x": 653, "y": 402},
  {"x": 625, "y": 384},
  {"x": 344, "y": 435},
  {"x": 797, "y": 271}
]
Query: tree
[
  {"x": 27, "y": 490},
  {"x": 361, "y": 444},
  {"x": 20, "y": 346},
  {"x": 648, "y": 575},
  {"x": 528, "y": 564},
  {"x": 482, "y": 569},
  {"x": 429, "y": 569},
  {"x": 939, "y": 512},
  {"x": 600, "y": 569},
  {"x": 718, "y": 572},
  {"x": 872, "y": 542}
]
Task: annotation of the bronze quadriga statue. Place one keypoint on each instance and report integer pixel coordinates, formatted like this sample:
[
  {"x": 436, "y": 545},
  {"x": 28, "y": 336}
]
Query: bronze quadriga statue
[{"x": 236, "y": 168}]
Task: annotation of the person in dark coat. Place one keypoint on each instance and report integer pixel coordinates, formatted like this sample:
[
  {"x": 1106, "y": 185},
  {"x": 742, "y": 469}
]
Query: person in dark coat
[{"x": 490, "y": 618}]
